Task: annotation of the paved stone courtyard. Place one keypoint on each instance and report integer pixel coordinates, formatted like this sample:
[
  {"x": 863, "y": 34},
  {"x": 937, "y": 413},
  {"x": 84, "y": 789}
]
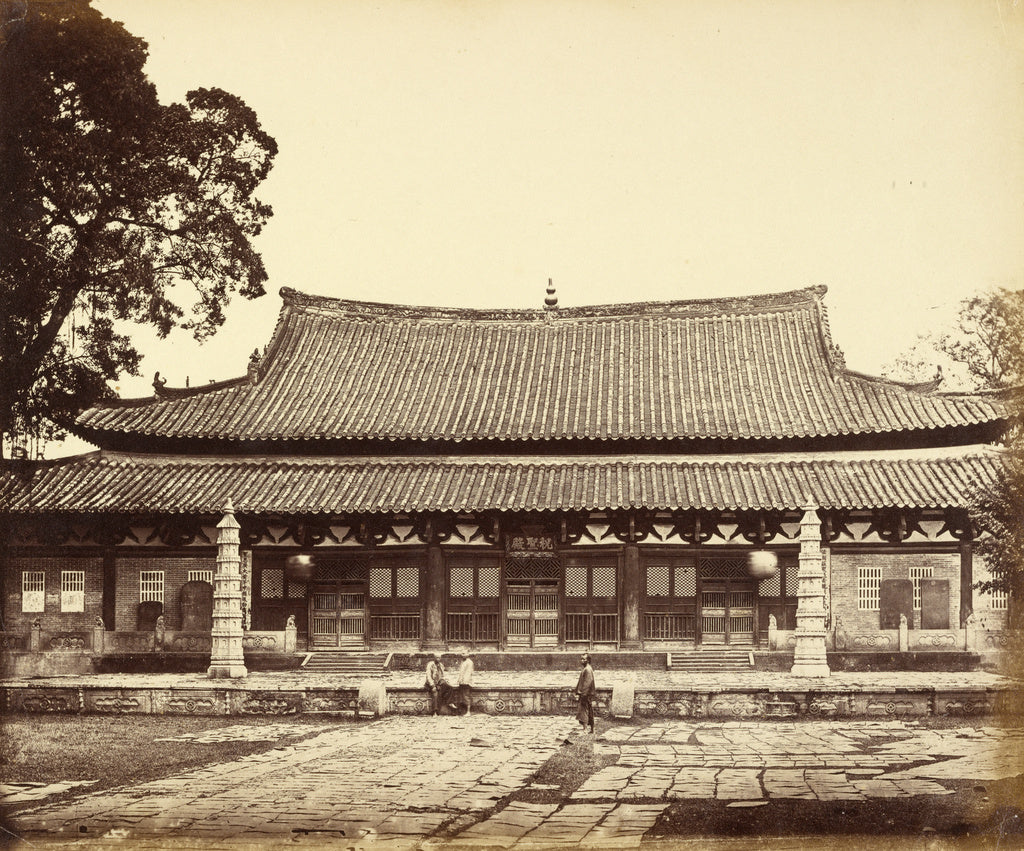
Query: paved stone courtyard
[{"x": 405, "y": 782}]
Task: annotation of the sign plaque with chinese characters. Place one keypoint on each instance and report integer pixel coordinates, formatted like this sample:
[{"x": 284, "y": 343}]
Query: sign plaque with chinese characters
[{"x": 529, "y": 543}]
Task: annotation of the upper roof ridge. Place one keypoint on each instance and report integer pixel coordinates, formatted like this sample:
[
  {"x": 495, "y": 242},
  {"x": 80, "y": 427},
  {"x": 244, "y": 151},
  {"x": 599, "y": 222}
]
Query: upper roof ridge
[{"x": 767, "y": 302}]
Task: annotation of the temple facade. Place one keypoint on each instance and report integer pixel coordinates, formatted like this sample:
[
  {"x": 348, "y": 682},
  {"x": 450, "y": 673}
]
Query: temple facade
[{"x": 625, "y": 477}]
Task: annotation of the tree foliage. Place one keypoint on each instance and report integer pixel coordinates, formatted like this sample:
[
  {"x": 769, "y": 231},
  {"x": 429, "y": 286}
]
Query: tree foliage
[
  {"x": 114, "y": 209},
  {"x": 982, "y": 349},
  {"x": 999, "y": 511}
]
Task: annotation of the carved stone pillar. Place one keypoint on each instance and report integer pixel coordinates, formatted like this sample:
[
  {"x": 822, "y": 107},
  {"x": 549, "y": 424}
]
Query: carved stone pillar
[
  {"x": 433, "y": 637},
  {"x": 809, "y": 658},
  {"x": 631, "y": 598},
  {"x": 226, "y": 657}
]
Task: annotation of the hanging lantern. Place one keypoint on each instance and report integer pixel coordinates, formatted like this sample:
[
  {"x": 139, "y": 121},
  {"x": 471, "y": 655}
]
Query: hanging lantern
[
  {"x": 762, "y": 564},
  {"x": 299, "y": 568}
]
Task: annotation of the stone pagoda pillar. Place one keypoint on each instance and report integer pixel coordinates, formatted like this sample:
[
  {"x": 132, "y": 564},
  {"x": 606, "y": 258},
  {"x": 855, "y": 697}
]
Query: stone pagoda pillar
[
  {"x": 809, "y": 658},
  {"x": 226, "y": 659}
]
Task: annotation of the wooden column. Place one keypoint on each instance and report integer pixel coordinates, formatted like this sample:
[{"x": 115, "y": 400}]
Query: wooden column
[
  {"x": 433, "y": 635},
  {"x": 631, "y": 598},
  {"x": 809, "y": 659},
  {"x": 109, "y": 589},
  {"x": 966, "y": 582},
  {"x": 226, "y": 657}
]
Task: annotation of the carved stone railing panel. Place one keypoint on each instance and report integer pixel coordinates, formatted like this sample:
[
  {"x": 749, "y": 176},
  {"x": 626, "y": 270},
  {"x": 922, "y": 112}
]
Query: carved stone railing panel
[
  {"x": 873, "y": 641},
  {"x": 937, "y": 640},
  {"x": 66, "y": 641},
  {"x": 130, "y": 642},
  {"x": 265, "y": 642},
  {"x": 13, "y": 641},
  {"x": 188, "y": 642}
]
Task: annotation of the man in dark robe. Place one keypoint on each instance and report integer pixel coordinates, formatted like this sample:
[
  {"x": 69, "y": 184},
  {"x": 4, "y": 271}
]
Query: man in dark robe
[{"x": 586, "y": 690}]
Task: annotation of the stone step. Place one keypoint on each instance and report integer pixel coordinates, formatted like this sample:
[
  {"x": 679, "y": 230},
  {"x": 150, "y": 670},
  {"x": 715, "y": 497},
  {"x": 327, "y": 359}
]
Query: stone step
[
  {"x": 711, "y": 661},
  {"x": 332, "y": 662}
]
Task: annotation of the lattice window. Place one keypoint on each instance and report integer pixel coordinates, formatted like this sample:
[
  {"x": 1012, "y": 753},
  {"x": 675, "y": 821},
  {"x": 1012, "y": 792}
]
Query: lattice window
[
  {"x": 380, "y": 581},
  {"x": 658, "y": 580},
  {"x": 329, "y": 570},
  {"x": 771, "y": 587},
  {"x": 793, "y": 580},
  {"x": 998, "y": 600},
  {"x": 604, "y": 582},
  {"x": 33, "y": 590},
  {"x": 460, "y": 582},
  {"x": 407, "y": 582},
  {"x": 296, "y": 590},
  {"x": 200, "y": 576},
  {"x": 917, "y": 574},
  {"x": 724, "y": 568},
  {"x": 576, "y": 582},
  {"x": 272, "y": 583},
  {"x": 72, "y": 590},
  {"x": 685, "y": 581},
  {"x": 151, "y": 586},
  {"x": 487, "y": 582},
  {"x": 869, "y": 579},
  {"x": 532, "y": 568}
]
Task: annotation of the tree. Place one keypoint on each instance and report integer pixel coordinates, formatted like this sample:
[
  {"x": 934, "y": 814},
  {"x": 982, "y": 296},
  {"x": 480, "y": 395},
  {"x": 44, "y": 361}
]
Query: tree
[
  {"x": 982, "y": 350},
  {"x": 114, "y": 209},
  {"x": 998, "y": 509}
]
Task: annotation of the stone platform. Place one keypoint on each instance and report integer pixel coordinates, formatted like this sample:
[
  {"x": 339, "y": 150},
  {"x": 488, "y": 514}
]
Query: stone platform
[{"x": 665, "y": 694}]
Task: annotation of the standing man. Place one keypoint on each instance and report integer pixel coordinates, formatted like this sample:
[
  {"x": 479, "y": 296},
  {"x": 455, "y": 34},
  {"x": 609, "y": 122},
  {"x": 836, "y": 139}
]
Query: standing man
[
  {"x": 466, "y": 681},
  {"x": 435, "y": 682},
  {"x": 586, "y": 690}
]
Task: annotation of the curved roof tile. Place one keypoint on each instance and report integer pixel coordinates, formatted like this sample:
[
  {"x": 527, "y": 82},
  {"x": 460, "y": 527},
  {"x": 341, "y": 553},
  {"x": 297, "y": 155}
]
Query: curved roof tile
[
  {"x": 756, "y": 367},
  {"x": 103, "y": 482}
]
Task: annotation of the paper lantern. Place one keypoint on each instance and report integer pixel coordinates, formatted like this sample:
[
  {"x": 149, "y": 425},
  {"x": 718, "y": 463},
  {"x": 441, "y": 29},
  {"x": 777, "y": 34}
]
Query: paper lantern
[
  {"x": 299, "y": 568},
  {"x": 761, "y": 564}
]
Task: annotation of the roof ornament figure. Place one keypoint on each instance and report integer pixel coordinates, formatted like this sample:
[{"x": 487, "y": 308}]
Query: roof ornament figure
[
  {"x": 158, "y": 384},
  {"x": 838, "y": 357},
  {"x": 254, "y": 366},
  {"x": 551, "y": 300}
]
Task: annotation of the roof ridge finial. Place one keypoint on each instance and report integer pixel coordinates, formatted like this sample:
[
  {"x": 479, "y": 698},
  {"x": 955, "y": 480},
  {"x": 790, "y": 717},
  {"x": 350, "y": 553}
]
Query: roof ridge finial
[{"x": 551, "y": 300}]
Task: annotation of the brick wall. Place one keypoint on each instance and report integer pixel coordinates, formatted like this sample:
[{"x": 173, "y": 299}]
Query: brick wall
[
  {"x": 987, "y": 614},
  {"x": 845, "y": 566},
  {"x": 175, "y": 568},
  {"x": 52, "y": 618}
]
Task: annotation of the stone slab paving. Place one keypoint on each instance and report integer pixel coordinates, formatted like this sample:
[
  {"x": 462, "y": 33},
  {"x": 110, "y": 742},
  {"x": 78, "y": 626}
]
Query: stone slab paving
[
  {"x": 422, "y": 782},
  {"x": 19, "y": 793},
  {"x": 244, "y": 733},
  {"x": 814, "y": 761},
  {"x": 393, "y": 780}
]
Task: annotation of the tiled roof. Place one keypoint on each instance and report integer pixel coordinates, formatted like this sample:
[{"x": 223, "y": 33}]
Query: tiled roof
[
  {"x": 757, "y": 367},
  {"x": 103, "y": 482}
]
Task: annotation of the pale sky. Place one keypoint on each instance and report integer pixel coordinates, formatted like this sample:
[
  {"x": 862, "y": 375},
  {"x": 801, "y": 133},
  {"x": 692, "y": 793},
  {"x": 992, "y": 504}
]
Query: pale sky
[{"x": 461, "y": 153}]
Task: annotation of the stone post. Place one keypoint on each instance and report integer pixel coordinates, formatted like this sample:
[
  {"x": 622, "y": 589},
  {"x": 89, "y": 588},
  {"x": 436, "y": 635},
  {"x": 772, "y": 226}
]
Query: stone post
[
  {"x": 631, "y": 598},
  {"x": 291, "y": 635},
  {"x": 809, "y": 659},
  {"x": 904, "y": 634},
  {"x": 226, "y": 657},
  {"x": 35, "y": 636},
  {"x": 773, "y": 633},
  {"x": 433, "y": 636},
  {"x": 98, "y": 633}
]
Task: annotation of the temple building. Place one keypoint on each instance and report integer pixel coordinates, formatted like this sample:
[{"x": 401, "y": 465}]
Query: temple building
[{"x": 627, "y": 476}]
